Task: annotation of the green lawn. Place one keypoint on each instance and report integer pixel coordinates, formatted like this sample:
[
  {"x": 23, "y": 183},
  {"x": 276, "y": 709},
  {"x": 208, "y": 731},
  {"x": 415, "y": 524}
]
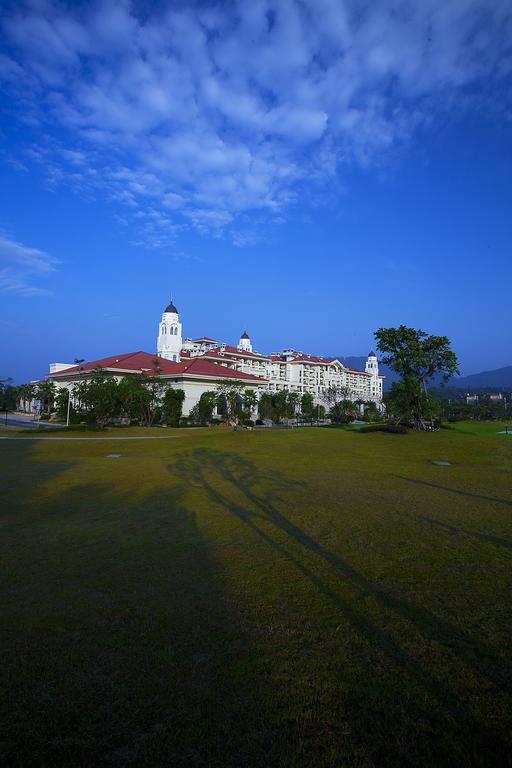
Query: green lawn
[{"x": 313, "y": 597}]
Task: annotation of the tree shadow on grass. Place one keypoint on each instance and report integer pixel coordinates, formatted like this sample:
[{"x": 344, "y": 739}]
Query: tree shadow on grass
[
  {"x": 23, "y": 471},
  {"x": 120, "y": 648},
  {"x": 457, "y": 529},
  {"x": 469, "y": 494},
  {"x": 442, "y": 732}
]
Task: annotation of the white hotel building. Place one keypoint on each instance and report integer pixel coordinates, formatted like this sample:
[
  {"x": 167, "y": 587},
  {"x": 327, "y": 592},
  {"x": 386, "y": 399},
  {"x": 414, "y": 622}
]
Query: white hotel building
[
  {"x": 199, "y": 365},
  {"x": 289, "y": 369}
]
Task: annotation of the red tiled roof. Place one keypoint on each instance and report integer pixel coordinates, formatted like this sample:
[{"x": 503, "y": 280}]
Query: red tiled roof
[
  {"x": 198, "y": 366},
  {"x": 217, "y": 352},
  {"x": 132, "y": 361},
  {"x": 302, "y": 358},
  {"x": 143, "y": 361},
  {"x": 299, "y": 357}
]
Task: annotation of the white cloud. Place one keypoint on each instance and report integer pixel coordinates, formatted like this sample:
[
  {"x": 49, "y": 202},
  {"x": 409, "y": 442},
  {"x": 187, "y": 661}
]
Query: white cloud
[
  {"x": 22, "y": 267},
  {"x": 208, "y": 113}
]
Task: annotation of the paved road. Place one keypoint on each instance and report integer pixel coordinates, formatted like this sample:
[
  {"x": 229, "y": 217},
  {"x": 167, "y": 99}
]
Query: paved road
[{"x": 21, "y": 420}]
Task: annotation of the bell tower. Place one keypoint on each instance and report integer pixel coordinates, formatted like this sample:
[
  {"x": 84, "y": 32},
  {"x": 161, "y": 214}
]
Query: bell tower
[
  {"x": 170, "y": 340},
  {"x": 372, "y": 367},
  {"x": 244, "y": 343}
]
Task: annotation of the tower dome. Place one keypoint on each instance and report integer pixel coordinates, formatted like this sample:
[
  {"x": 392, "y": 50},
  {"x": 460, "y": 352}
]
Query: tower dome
[
  {"x": 171, "y": 308},
  {"x": 244, "y": 343}
]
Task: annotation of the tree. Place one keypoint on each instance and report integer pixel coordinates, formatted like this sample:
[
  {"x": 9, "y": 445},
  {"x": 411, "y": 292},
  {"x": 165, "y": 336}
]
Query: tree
[
  {"x": 156, "y": 389},
  {"x": 8, "y": 394},
  {"x": 265, "y": 406},
  {"x": 172, "y": 406},
  {"x": 63, "y": 398},
  {"x": 343, "y": 412},
  {"x": 417, "y": 357},
  {"x": 307, "y": 404},
  {"x": 250, "y": 401},
  {"x": 99, "y": 398},
  {"x": 230, "y": 400},
  {"x": 334, "y": 394},
  {"x": 205, "y": 406},
  {"x": 292, "y": 404},
  {"x": 140, "y": 397},
  {"x": 342, "y": 409},
  {"x": 45, "y": 392},
  {"x": 280, "y": 403},
  {"x": 371, "y": 412},
  {"x": 24, "y": 395}
]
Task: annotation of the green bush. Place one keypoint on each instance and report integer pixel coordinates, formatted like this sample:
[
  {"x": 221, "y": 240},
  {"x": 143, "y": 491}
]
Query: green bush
[
  {"x": 172, "y": 406},
  {"x": 397, "y": 429}
]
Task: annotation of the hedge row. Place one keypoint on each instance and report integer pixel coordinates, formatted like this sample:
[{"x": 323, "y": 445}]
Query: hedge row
[{"x": 397, "y": 429}]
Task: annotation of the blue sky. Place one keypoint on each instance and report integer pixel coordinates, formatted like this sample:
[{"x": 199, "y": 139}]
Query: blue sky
[{"x": 309, "y": 170}]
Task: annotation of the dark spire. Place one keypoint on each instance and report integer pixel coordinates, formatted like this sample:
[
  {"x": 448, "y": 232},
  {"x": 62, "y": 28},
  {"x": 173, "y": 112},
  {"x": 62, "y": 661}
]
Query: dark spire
[
  {"x": 245, "y": 335},
  {"x": 170, "y": 307}
]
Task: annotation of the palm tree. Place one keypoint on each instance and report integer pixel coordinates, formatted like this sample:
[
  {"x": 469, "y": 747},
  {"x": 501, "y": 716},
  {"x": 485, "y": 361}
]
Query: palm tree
[
  {"x": 45, "y": 393},
  {"x": 24, "y": 394}
]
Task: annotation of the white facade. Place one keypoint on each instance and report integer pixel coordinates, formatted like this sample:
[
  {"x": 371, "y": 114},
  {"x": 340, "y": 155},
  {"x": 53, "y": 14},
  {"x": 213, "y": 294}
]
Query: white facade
[
  {"x": 193, "y": 386},
  {"x": 297, "y": 372},
  {"x": 170, "y": 342},
  {"x": 56, "y": 367},
  {"x": 199, "y": 346}
]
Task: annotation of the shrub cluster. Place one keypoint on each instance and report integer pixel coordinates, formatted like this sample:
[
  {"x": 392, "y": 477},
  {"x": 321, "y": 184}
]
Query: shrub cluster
[{"x": 397, "y": 429}]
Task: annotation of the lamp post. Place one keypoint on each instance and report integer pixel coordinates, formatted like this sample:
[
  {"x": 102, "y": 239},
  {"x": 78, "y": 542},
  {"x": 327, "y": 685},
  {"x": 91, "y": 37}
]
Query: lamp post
[{"x": 69, "y": 405}]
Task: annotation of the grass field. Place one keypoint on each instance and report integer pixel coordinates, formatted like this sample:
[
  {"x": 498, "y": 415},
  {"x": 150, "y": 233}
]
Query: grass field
[{"x": 311, "y": 597}]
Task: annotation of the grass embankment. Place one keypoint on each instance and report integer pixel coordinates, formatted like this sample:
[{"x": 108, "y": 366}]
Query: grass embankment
[{"x": 308, "y": 597}]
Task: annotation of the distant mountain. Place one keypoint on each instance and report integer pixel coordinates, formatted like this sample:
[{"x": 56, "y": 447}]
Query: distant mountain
[{"x": 501, "y": 378}]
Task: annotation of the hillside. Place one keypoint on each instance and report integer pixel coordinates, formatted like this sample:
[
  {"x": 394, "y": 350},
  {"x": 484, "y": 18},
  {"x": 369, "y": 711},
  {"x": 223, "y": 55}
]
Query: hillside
[{"x": 500, "y": 378}]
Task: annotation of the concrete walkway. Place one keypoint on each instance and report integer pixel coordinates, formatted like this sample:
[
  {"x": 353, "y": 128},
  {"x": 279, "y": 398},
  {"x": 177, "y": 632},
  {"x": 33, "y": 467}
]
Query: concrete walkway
[{"x": 112, "y": 437}]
